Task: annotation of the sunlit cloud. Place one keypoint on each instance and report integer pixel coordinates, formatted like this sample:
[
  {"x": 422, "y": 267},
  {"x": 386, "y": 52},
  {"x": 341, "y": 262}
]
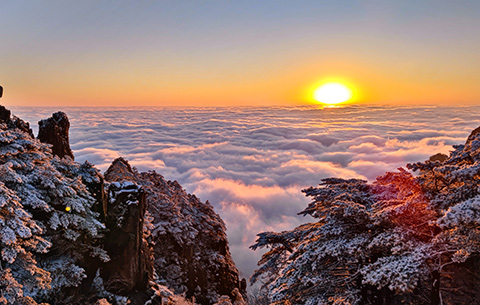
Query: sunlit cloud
[{"x": 99, "y": 157}]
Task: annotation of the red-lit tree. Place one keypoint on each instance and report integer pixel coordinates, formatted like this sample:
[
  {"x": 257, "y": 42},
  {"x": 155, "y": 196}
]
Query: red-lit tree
[
  {"x": 401, "y": 239},
  {"x": 453, "y": 187},
  {"x": 371, "y": 244}
]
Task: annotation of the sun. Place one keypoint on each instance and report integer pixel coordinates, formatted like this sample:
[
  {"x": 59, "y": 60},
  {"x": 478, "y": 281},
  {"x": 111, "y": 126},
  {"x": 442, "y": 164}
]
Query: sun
[{"x": 332, "y": 93}]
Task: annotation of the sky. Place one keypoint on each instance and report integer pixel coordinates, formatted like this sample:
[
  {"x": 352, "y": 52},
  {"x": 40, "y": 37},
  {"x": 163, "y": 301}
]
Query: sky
[
  {"x": 251, "y": 163},
  {"x": 234, "y": 53}
]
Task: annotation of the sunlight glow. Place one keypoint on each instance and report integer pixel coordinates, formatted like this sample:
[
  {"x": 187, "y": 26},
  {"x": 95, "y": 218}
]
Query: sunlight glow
[{"x": 332, "y": 93}]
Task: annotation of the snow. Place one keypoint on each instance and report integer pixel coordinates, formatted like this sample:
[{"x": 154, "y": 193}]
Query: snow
[{"x": 34, "y": 181}]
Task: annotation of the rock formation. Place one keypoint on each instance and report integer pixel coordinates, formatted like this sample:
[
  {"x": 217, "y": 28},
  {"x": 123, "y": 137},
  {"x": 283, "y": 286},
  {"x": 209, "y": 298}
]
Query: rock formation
[
  {"x": 4, "y": 114},
  {"x": 131, "y": 265},
  {"x": 54, "y": 130},
  {"x": 472, "y": 135},
  {"x": 131, "y": 239},
  {"x": 191, "y": 248},
  {"x": 13, "y": 122}
]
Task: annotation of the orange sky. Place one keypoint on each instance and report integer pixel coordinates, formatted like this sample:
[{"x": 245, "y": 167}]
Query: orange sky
[{"x": 249, "y": 53}]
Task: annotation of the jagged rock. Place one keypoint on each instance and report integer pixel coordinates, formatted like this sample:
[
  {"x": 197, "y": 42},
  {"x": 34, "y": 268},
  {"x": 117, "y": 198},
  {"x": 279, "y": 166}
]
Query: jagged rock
[
  {"x": 131, "y": 264},
  {"x": 4, "y": 114},
  {"x": 119, "y": 171},
  {"x": 13, "y": 122},
  {"x": 54, "y": 131},
  {"x": 191, "y": 248}
]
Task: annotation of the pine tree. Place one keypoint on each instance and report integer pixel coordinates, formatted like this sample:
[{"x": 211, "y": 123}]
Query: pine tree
[
  {"x": 453, "y": 188},
  {"x": 370, "y": 245},
  {"x": 402, "y": 239},
  {"x": 45, "y": 206}
]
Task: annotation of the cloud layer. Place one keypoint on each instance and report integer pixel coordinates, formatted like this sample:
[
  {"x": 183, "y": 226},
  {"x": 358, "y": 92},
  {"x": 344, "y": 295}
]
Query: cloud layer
[{"x": 252, "y": 163}]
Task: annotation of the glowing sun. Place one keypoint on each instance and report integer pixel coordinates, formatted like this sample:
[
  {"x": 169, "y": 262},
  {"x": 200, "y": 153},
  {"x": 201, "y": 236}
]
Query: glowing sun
[{"x": 332, "y": 93}]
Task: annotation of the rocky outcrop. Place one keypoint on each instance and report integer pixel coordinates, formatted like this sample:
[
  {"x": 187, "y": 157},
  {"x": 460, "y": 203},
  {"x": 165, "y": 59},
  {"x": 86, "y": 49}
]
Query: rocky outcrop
[
  {"x": 191, "y": 248},
  {"x": 130, "y": 238},
  {"x": 131, "y": 265},
  {"x": 12, "y": 122},
  {"x": 54, "y": 131},
  {"x": 119, "y": 171},
  {"x": 4, "y": 114}
]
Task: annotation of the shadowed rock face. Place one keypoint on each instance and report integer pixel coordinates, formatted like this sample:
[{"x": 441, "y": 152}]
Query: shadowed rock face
[
  {"x": 190, "y": 245},
  {"x": 54, "y": 131},
  {"x": 4, "y": 114},
  {"x": 131, "y": 264}
]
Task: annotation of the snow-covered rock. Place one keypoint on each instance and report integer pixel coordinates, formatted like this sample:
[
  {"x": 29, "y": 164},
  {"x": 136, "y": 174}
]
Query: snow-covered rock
[
  {"x": 66, "y": 237},
  {"x": 189, "y": 240}
]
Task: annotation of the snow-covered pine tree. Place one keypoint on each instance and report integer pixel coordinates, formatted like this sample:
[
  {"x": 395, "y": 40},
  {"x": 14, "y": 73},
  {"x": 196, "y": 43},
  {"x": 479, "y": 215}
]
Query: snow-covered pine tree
[
  {"x": 321, "y": 262},
  {"x": 453, "y": 187},
  {"x": 401, "y": 239},
  {"x": 20, "y": 238},
  {"x": 44, "y": 203},
  {"x": 370, "y": 245}
]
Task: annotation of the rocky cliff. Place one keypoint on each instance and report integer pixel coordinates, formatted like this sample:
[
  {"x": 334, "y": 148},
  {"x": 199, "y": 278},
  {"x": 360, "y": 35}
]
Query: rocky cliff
[
  {"x": 69, "y": 236},
  {"x": 191, "y": 252}
]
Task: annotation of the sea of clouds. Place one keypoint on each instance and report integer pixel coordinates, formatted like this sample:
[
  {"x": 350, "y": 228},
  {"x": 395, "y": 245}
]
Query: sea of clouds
[{"x": 251, "y": 163}]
